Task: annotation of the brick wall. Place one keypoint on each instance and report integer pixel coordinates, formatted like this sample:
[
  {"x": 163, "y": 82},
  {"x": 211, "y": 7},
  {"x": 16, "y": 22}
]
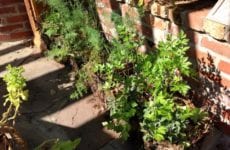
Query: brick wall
[
  {"x": 161, "y": 20},
  {"x": 14, "y": 23}
]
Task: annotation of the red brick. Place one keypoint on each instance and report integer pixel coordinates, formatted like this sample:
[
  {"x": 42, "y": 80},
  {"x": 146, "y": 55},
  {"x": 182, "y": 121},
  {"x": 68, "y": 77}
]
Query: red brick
[
  {"x": 193, "y": 36},
  {"x": 216, "y": 46},
  {"x": 10, "y": 28},
  {"x": 21, "y": 8},
  {"x": 130, "y": 12},
  {"x": 104, "y": 11},
  {"x": 2, "y": 21},
  {"x": 9, "y": 2},
  {"x": 144, "y": 30},
  {"x": 224, "y": 66},
  {"x": 194, "y": 18},
  {"x": 223, "y": 127},
  {"x": 7, "y": 10},
  {"x": 225, "y": 82},
  {"x": 173, "y": 28},
  {"x": 196, "y": 53},
  {"x": 159, "y": 23},
  {"x": 27, "y": 25},
  {"x": 18, "y": 18},
  {"x": 147, "y": 4},
  {"x": 20, "y": 35},
  {"x": 112, "y": 4},
  {"x": 226, "y": 115},
  {"x": 4, "y": 37},
  {"x": 147, "y": 19}
]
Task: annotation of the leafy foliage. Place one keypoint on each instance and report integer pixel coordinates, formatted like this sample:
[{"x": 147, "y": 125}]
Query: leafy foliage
[
  {"x": 16, "y": 84},
  {"x": 72, "y": 30},
  {"x": 147, "y": 86},
  {"x": 59, "y": 144},
  {"x": 72, "y": 26},
  {"x": 66, "y": 145}
]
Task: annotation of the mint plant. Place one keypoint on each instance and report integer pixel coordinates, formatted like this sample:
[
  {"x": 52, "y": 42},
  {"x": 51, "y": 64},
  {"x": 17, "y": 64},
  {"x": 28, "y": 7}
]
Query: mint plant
[{"x": 17, "y": 93}]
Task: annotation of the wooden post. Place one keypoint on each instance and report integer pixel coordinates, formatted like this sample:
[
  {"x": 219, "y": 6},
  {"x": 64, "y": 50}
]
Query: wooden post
[{"x": 34, "y": 10}]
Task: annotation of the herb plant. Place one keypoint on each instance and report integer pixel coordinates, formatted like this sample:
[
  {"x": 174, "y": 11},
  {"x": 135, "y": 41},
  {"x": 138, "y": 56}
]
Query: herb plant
[{"x": 17, "y": 93}]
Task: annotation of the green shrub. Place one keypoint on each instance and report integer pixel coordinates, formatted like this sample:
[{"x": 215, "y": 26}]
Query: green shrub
[
  {"x": 150, "y": 87},
  {"x": 75, "y": 35},
  {"x": 72, "y": 30}
]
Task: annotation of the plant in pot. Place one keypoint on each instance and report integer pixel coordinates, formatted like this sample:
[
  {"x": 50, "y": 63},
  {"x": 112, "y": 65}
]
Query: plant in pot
[
  {"x": 150, "y": 90},
  {"x": 16, "y": 94}
]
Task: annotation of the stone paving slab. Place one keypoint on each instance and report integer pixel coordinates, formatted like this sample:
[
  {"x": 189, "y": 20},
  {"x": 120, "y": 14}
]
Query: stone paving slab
[{"x": 50, "y": 113}]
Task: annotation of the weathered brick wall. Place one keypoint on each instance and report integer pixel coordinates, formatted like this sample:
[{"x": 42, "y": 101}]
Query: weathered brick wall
[
  {"x": 161, "y": 20},
  {"x": 14, "y": 23}
]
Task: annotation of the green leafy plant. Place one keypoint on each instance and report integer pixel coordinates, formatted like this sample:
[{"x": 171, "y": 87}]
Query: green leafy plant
[
  {"x": 71, "y": 29},
  {"x": 118, "y": 79},
  {"x": 165, "y": 118},
  {"x": 17, "y": 93},
  {"x": 75, "y": 36},
  {"x": 57, "y": 144},
  {"x": 149, "y": 87}
]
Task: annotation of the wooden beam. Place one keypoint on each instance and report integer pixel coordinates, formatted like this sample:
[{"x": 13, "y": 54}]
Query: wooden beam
[{"x": 34, "y": 10}]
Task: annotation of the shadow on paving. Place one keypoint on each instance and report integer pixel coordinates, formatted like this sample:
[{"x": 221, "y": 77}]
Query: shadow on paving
[
  {"x": 20, "y": 61},
  {"x": 14, "y": 48},
  {"x": 50, "y": 114}
]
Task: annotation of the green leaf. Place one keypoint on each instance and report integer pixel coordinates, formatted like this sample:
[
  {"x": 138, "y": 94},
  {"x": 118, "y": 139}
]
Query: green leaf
[
  {"x": 158, "y": 137},
  {"x": 161, "y": 130},
  {"x": 66, "y": 145}
]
